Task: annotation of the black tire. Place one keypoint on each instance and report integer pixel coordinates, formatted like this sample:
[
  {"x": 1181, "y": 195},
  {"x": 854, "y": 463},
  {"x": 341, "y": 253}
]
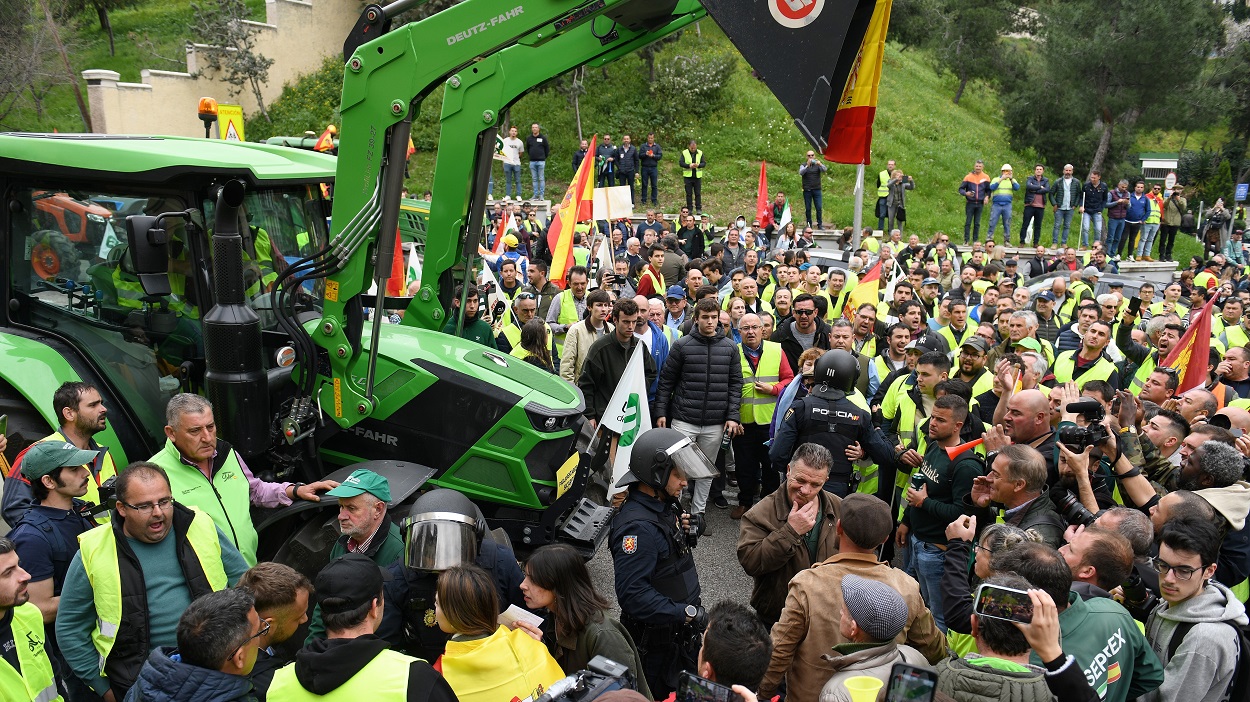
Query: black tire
[{"x": 64, "y": 261}]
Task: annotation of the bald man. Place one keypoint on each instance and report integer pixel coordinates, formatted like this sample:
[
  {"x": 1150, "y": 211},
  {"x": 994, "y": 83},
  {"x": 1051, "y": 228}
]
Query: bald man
[
  {"x": 1197, "y": 405},
  {"x": 1238, "y": 418},
  {"x": 1027, "y": 421}
]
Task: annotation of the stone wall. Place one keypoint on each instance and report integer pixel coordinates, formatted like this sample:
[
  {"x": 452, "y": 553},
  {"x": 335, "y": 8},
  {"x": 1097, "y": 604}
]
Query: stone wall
[{"x": 296, "y": 34}]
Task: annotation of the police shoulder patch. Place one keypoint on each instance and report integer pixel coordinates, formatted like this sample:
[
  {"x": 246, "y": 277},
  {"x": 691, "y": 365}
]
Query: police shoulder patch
[{"x": 629, "y": 544}]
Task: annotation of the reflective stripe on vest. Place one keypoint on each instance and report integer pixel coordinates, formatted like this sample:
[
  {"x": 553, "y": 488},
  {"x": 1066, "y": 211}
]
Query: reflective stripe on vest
[
  {"x": 227, "y": 498},
  {"x": 883, "y": 184},
  {"x": 1065, "y": 367},
  {"x": 98, "y": 550},
  {"x": 758, "y": 407},
  {"x": 688, "y": 159},
  {"x": 34, "y": 680},
  {"x": 383, "y": 679},
  {"x": 568, "y": 316},
  {"x": 1242, "y": 591}
]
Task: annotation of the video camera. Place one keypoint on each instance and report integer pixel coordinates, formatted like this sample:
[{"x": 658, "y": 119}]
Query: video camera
[
  {"x": 1078, "y": 438},
  {"x": 602, "y": 676}
]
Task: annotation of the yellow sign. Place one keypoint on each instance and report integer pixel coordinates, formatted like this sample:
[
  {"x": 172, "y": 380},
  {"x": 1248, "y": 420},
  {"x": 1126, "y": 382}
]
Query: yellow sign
[
  {"x": 230, "y": 122},
  {"x": 566, "y": 475}
]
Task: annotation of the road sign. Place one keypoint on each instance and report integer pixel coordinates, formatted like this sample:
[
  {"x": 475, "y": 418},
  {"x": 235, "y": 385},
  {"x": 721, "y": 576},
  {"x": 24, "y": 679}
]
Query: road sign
[
  {"x": 1241, "y": 191},
  {"x": 230, "y": 122},
  {"x": 1170, "y": 181}
]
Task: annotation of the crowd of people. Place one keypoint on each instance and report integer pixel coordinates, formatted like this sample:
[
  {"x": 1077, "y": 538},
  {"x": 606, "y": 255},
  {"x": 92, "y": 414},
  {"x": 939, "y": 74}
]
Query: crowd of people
[{"x": 893, "y": 447}]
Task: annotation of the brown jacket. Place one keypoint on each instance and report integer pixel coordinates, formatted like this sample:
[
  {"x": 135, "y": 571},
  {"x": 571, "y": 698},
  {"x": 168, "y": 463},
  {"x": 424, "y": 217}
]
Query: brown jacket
[
  {"x": 808, "y": 628},
  {"x": 771, "y": 551}
]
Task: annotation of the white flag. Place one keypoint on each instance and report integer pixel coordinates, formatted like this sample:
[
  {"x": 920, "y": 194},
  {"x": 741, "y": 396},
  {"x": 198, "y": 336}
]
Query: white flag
[
  {"x": 414, "y": 265},
  {"x": 628, "y": 414},
  {"x": 488, "y": 278},
  {"x": 613, "y": 203}
]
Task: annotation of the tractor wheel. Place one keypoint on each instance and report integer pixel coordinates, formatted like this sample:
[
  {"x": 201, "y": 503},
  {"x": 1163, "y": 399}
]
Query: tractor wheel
[{"x": 53, "y": 255}]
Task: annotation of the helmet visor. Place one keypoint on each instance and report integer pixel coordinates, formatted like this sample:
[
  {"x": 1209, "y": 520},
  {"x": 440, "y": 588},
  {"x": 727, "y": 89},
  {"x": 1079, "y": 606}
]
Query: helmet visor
[
  {"x": 687, "y": 458},
  {"x": 436, "y": 541}
]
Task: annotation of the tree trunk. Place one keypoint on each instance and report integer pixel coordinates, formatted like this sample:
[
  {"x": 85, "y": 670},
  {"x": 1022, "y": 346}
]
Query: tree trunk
[
  {"x": 103, "y": 12},
  {"x": 69, "y": 70},
  {"x": 959, "y": 92},
  {"x": 260, "y": 100},
  {"x": 1104, "y": 145}
]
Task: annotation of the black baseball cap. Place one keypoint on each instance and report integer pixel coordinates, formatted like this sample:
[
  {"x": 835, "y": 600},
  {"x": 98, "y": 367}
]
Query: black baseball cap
[{"x": 348, "y": 583}]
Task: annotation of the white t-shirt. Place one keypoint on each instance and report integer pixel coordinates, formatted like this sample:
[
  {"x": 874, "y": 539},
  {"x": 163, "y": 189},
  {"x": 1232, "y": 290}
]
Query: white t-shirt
[{"x": 512, "y": 151}]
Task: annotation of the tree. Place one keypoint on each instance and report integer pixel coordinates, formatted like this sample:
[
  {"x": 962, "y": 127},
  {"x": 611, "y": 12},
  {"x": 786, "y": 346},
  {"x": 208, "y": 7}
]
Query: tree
[
  {"x": 102, "y": 8},
  {"x": 1107, "y": 57},
  {"x": 969, "y": 42},
  {"x": 231, "y": 52}
]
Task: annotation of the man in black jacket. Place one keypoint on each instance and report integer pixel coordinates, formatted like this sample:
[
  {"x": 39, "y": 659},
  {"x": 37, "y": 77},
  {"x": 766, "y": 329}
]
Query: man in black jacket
[
  {"x": 608, "y": 357},
  {"x": 806, "y": 330},
  {"x": 537, "y": 148},
  {"x": 700, "y": 391},
  {"x": 627, "y": 164},
  {"x": 649, "y": 159},
  {"x": 605, "y": 163}
]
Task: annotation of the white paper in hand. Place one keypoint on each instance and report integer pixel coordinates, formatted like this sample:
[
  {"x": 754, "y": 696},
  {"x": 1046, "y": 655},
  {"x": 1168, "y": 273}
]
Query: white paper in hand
[{"x": 515, "y": 614}]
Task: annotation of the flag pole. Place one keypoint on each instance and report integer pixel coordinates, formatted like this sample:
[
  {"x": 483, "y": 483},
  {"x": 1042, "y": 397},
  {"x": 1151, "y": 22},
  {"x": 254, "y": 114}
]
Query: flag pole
[{"x": 859, "y": 204}]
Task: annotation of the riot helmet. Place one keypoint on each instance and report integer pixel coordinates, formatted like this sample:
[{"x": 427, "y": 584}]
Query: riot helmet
[
  {"x": 836, "y": 373},
  {"x": 657, "y": 452},
  {"x": 443, "y": 529}
]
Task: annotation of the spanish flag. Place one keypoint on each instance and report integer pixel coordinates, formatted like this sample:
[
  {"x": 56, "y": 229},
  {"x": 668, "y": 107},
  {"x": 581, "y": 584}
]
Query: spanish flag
[
  {"x": 865, "y": 291},
  {"x": 326, "y": 141},
  {"x": 1189, "y": 356},
  {"x": 577, "y": 206},
  {"x": 850, "y": 136}
]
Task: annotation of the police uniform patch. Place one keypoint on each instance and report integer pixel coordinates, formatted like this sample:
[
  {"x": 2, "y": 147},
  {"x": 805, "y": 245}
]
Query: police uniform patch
[
  {"x": 629, "y": 544},
  {"x": 429, "y": 618}
]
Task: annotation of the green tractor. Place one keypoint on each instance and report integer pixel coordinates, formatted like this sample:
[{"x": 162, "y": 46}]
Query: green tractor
[{"x": 234, "y": 276}]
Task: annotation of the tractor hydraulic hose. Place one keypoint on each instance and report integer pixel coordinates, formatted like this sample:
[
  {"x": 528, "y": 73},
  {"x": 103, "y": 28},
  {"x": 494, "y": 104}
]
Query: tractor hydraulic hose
[{"x": 392, "y": 186}]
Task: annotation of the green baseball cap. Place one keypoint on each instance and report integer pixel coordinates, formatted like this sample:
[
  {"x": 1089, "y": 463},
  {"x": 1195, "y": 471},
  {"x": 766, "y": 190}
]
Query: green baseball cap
[
  {"x": 1029, "y": 343},
  {"x": 362, "y": 481},
  {"x": 46, "y": 456}
]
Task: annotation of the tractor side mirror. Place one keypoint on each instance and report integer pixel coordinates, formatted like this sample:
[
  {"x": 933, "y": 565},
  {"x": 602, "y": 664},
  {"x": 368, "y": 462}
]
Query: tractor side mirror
[{"x": 148, "y": 243}]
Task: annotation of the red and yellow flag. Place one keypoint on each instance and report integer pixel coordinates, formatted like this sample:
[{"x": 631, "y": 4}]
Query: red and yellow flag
[
  {"x": 1189, "y": 356},
  {"x": 577, "y": 206},
  {"x": 396, "y": 285},
  {"x": 850, "y": 135},
  {"x": 762, "y": 211},
  {"x": 865, "y": 291},
  {"x": 325, "y": 142}
]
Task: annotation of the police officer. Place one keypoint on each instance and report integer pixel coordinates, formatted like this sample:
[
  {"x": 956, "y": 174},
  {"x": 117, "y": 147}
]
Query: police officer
[
  {"x": 826, "y": 416},
  {"x": 651, "y": 540},
  {"x": 445, "y": 529}
]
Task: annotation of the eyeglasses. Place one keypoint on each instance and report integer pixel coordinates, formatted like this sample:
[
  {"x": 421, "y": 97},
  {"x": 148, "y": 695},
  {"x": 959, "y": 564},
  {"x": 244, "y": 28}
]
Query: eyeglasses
[
  {"x": 264, "y": 629},
  {"x": 147, "y": 507},
  {"x": 1182, "y": 572},
  {"x": 750, "y": 328},
  {"x": 804, "y": 312},
  {"x": 979, "y": 547},
  {"x": 525, "y": 296}
]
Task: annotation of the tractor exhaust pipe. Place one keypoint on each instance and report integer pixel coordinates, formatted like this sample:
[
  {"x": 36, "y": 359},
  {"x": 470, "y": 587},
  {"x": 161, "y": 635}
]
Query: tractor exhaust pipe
[{"x": 235, "y": 374}]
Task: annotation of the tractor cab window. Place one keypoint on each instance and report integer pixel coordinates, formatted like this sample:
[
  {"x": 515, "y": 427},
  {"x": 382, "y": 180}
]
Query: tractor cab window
[
  {"x": 284, "y": 226},
  {"x": 70, "y": 274}
]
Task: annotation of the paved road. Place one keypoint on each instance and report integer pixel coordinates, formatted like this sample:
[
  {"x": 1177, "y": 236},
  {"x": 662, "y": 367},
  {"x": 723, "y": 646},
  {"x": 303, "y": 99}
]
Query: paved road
[{"x": 716, "y": 558}]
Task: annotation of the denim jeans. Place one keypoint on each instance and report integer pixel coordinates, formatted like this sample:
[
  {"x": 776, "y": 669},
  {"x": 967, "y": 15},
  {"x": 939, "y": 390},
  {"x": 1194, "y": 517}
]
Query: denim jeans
[
  {"x": 538, "y": 176},
  {"x": 1034, "y": 215},
  {"x": 1115, "y": 230},
  {"x": 1064, "y": 217},
  {"x": 708, "y": 439},
  {"x": 1148, "y": 233},
  {"x": 650, "y": 174},
  {"x": 814, "y": 198},
  {"x": 512, "y": 178},
  {"x": 1000, "y": 210},
  {"x": 1086, "y": 217},
  {"x": 925, "y": 563},
  {"x": 972, "y": 219}
]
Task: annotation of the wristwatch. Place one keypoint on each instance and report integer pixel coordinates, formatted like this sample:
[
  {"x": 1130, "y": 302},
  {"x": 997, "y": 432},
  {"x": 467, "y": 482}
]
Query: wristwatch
[
  {"x": 691, "y": 612},
  {"x": 295, "y": 490}
]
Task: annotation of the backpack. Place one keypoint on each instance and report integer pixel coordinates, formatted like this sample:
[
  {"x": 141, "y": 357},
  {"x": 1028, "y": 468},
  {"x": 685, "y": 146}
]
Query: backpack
[{"x": 1239, "y": 688}]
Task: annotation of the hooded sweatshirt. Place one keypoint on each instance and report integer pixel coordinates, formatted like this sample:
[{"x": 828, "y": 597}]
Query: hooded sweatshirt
[
  {"x": 165, "y": 678},
  {"x": 1233, "y": 502},
  {"x": 1202, "y": 668},
  {"x": 325, "y": 665}
]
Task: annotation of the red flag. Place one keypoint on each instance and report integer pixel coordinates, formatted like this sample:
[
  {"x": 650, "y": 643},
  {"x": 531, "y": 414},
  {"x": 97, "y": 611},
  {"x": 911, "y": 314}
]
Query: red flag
[
  {"x": 506, "y": 223},
  {"x": 1189, "y": 356},
  {"x": 865, "y": 291},
  {"x": 762, "y": 209},
  {"x": 577, "y": 206},
  {"x": 395, "y": 284},
  {"x": 325, "y": 142}
]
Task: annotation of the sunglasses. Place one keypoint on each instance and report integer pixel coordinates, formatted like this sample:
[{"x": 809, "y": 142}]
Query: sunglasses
[{"x": 804, "y": 312}]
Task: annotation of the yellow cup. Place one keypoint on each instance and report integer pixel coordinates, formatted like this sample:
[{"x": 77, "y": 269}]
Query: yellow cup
[{"x": 863, "y": 688}]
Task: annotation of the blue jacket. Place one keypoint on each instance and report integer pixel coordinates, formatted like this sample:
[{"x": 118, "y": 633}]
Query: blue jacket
[
  {"x": 165, "y": 678},
  {"x": 1138, "y": 208},
  {"x": 659, "y": 354},
  {"x": 1003, "y": 191}
]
